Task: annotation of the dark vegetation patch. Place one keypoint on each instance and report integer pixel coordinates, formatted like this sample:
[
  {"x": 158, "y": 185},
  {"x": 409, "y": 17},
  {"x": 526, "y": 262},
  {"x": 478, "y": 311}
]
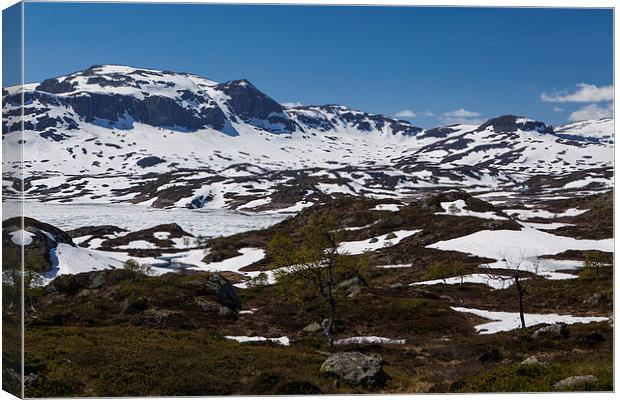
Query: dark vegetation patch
[{"x": 174, "y": 230}]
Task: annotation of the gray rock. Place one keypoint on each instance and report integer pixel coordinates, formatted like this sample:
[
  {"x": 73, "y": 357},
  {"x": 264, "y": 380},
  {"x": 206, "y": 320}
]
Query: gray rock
[
  {"x": 397, "y": 285},
  {"x": 214, "y": 308},
  {"x": 574, "y": 380},
  {"x": 312, "y": 328},
  {"x": 354, "y": 291},
  {"x": 559, "y": 330},
  {"x": 30, "y": 379},
  {"x": 594, "y": 299},
  {"x": 224, "y": 291},
  {"x": 351, "y": 282},
  {"x": 533, "y": 361},
  {"x": 356, "y": 369}
]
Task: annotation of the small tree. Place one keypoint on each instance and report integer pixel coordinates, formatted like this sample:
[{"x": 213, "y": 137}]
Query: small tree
[
  {"x": 259, "y": 280},
  {"x": 313, "y": 264},
  {"x": 12, "y": 285},
  {"x": 516, "y": 273},
  {"x": 137, "y": 268},
  {"x": 591, "y": 265},
  {"x": 198, "y": 240},
  {"x": 459, "y": 269}
]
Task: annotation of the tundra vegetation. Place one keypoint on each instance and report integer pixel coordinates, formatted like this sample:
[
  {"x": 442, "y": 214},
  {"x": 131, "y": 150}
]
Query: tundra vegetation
[{"x": 128, "y": 331}]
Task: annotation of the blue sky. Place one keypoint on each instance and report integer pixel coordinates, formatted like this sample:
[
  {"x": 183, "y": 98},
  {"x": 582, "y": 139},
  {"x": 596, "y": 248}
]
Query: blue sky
[{"x": 441, "y": 64}]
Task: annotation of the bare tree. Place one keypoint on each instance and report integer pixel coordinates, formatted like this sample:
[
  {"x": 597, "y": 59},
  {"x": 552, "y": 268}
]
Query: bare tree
[{"x": 515, "y": 272}]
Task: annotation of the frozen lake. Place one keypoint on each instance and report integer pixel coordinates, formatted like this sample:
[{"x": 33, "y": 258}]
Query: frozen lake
[{"x": 203, "y": 222}]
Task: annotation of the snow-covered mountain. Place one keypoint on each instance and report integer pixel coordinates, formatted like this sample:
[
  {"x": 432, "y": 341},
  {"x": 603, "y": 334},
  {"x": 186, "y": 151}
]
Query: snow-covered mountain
[{"x": 118, "y": 133}]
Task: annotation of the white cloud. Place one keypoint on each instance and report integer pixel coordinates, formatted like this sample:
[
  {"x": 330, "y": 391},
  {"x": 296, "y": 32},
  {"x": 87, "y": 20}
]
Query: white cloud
[
  {"x": 289, "y": 104},
  {"x": 427, "y": 114},
  {"x": 592, "y": 111},
  {"x": 585, "y": 93},
  {"x": 405, "y": 114},
  {"x": 461, "y": 113},
  {"x": 461, "y": 116},
  {"x": 558, "y": 109}
]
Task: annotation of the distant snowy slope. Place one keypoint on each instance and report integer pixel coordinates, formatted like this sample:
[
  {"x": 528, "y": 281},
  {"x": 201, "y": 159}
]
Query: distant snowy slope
[
  {"x": 161, "y": 138},
  {"x": 601, "y": 130}
]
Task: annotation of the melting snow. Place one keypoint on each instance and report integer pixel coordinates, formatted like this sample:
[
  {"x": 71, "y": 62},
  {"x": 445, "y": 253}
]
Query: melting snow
[
  {"x": 22, "y": 237},
  {"x": 541, "y": 266},
  {"x": 507, "y": 321},
  {"x": 527, "y": 214},
  {"x": 67, "y": 259},
  {"x": 526, "y": 242},
  {"x": 368, "y": 339},
  {"x": 457, "y": 208},
  {"x": 138, "y": 244},
  {"x": 284, "y": 341},
  {"x": 387, "y": 207},
  {"x": 390, "y": 266},
  {"x": 485, "y": 279},
  {"x": 361, "y": 246},
  {"x": 248, "y": 256}
]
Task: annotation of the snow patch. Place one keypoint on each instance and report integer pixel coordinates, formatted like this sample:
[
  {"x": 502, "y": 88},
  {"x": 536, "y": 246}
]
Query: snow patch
[
  {"x": 506, "y": 321},
  {"x": 368, "y": 339},
  {"x": 283, "y": 340},
  {"x": 485, "y": 279},
  {"x": 457, "y": 208},
  {"x": 387, "y": 207},
  {"x": 376, "y": 243},
  {"x": 21, "y": 237}
]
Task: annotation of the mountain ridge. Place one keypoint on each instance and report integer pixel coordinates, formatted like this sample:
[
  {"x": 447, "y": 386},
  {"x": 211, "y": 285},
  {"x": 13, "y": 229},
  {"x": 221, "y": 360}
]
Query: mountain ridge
[{"x": 135, "y": 126}]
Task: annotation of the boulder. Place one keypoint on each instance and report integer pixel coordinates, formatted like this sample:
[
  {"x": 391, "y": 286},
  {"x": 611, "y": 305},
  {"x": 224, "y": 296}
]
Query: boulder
[
  {"x": 356, "y": 369},
  {"x": 72, "y": 284},
  {"x": 594, "y": 299},
  {"x": 352, "y": 285},
  {"x": 354, "y": 291},
  {"x": 535, "y": 362},
  {"x": 223, "y": 290},
  {"x": 574, "y": 380},
  {"x": 312, "y": 328},
  {"x": 557, "y": 330},
  {"x": 214, "y": 308}
]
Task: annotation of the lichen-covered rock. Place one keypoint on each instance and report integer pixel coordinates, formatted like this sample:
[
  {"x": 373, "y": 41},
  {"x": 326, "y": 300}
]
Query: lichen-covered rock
[
  {"x": 574, "y": 380},
  {"x": 313, "y": 327},
  {"x": 356, "y": 369},
  {"x": 535, "y": 362},
  {"x": 557, "y": 330}
]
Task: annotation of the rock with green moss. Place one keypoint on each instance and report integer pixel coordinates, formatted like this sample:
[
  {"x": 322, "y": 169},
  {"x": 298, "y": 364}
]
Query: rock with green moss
[{"x": 356, "y": 369}]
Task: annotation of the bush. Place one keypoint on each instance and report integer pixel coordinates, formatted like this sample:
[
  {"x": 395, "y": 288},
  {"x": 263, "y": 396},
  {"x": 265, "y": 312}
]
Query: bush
[
  {"x": 134, "y": 266},
  {"x": 259, "y": 280}
]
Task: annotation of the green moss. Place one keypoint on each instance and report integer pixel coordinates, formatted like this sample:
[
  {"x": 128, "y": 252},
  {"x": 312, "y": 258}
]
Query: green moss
[
  {"x": 128, "y": 361},
  {"x": 529, "y": 378}
]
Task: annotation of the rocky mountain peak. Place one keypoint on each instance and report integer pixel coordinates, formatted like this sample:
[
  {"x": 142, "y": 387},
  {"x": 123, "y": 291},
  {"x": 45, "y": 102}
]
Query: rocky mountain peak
[{"x": 513, "y": 123}]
